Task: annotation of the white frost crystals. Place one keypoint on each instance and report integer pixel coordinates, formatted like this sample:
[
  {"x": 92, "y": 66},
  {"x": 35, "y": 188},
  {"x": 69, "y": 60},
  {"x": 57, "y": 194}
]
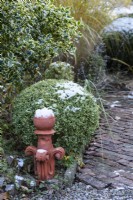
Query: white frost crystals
[
  {"x": 115, "y": 104},
  {"x": 64, "y": 91},
  {"x": 130, "y": 96},
  {"x": 44, "y": 112},
  {"x": 41, "y": 151},
  {"x": 20, "y": 162},
  {"x": 70, "y": 89},
  {"x": 120, "y": 25},
  {"x": 73, "y": 109},
  {"x": 122, "y": 11},
  {"x": 40, "y": 101}
]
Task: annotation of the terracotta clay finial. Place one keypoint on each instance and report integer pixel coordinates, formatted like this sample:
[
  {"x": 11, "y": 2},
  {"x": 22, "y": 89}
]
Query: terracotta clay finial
[{"x": 44, "y": 154}]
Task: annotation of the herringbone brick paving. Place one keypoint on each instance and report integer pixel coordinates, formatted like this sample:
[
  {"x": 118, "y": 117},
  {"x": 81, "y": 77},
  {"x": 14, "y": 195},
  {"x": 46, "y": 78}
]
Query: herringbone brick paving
[{"x": 109, "y": 158}]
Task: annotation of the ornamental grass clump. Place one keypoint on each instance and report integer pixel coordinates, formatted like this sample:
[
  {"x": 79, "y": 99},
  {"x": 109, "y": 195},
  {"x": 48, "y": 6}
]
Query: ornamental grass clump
[
  {"x": 95, "y": 15},
  {"x": 76, "y": 112}
]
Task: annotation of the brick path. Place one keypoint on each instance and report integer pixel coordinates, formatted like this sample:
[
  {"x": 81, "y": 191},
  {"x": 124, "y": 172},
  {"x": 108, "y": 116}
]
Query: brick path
[{"x": 109, "y": 158}]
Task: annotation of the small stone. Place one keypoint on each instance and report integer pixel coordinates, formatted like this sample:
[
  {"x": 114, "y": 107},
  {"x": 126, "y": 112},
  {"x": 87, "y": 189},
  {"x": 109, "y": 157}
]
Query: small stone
[
  {"x": 10, "y": 188},
  {"x": 89, "y": 187},
  {"x": 117, "y": 118},
  {"x": 18, "y": 181},
  {"x": 32, "y": 183},
  {"x": 50, "y": 192},
  {"x": 80, "y": 183},
  {"x": 53, "y": 181},
  {"x": 10, "y": 159},
  {"x": 23, "y": 195},
  {"x": 24, "y": 188},
  {"x": 68, "y": 190},
  {"x": 20, "y": 162}
]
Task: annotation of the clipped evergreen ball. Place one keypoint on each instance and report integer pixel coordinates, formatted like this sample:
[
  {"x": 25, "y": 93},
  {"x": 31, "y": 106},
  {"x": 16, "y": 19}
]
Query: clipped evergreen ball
[
  {"x": 76, "y": 112},
  {"x": 59, "y": 70},
  {"x": 118, "y": 40}
]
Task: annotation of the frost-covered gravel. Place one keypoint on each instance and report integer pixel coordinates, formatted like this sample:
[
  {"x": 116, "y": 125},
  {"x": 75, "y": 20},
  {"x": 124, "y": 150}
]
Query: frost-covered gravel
[{"x": 80, "y": 191}]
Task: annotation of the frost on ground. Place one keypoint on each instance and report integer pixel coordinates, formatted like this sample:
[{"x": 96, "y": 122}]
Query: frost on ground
[
  {"x": 130, "y": 96},
  {"x": 115, "y": 104}
]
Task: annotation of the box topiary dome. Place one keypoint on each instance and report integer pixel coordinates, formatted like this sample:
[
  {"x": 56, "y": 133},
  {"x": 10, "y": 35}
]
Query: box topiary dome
[
  {"x": 75, "y": 109},
  {"x": 118, "y": 40}
]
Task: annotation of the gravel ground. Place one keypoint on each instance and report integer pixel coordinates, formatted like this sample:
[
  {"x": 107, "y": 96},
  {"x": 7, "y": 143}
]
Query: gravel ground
[{"x": 80, "y": 191}]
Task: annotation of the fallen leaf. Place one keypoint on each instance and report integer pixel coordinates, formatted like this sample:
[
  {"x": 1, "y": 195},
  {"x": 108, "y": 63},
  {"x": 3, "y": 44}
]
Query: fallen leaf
[{"x": 4, "y": 196}]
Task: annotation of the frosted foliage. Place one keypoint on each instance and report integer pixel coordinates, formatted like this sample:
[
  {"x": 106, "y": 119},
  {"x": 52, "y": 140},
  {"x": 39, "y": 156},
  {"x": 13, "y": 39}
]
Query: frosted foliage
[
  {"x": 44, "y": 112},
  {"x": 70, "y": 89},
  {"x": 20, "y": 162},
  {"x": 73, "y": 109},
  {"x": 39, "y": 101},
  {"x": 18, "y": 178},
  {"x": 122, "y": 11},
  {"x": 121, "y": 24}
]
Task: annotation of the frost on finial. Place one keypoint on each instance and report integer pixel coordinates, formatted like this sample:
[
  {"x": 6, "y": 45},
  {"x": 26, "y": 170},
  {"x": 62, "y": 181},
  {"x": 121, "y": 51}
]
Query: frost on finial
[{"x": 44, "y": 112}]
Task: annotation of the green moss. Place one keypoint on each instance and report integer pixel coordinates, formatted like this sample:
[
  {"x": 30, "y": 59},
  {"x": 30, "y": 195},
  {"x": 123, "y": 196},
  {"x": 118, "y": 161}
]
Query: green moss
[{"x": 77, "y": 116}]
